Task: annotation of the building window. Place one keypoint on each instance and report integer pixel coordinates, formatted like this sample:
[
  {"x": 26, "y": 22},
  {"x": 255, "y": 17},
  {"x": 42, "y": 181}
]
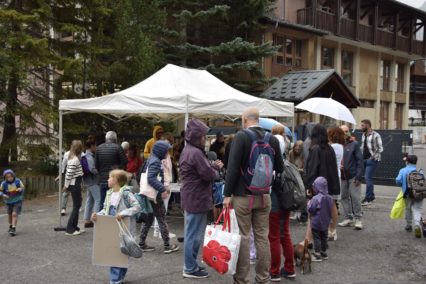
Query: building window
[
  {"x": 385, "y": 74},
  {"x": 290, "y": 51},
  {"x": 384, "y": 115},
  {"x": 398, "y": 115},
  {"x": 347, "y": 67},
  {"x": 399, "y": 77},
  {"x": 327, "y": 58},
  {"x": 367, "y": 103}
]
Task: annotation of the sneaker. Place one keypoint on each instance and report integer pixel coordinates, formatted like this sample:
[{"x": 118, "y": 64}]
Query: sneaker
[
  {"x": 286, "y": 274},
  {"x": 346, "y": 223},
  {"x": 146, "y": 248},
  {"x": 358, "y": 225},
  {"x": 12, "y": 231},
  {"x": 171, "y": 235},
  {"x": 63, "y": 212},
  {"x": 76, "y": 233},
  {"x": 275, "y": 278},
  {"x": 332, "y": 236},
  {"x": 199, "y": 274},
  {"x": 201, "y": 268},
  {"x": 316, "y": 257},
  {"x": 324, "y": 255},
  {"x": 408, "y": 228},
  {"x": 417, "y": 232},
  {"x": 365, "y": 202},
  {"x": 170, "y": 249}
]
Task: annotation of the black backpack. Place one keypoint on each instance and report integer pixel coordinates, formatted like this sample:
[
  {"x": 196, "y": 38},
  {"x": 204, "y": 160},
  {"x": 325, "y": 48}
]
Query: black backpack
[
  {"x": 416, "y": 185},
  {"x": 289, "y": 188}
]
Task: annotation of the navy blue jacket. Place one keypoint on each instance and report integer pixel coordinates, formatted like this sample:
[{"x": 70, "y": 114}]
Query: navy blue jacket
[
  {"x": 353, "y": 164},
  {"x": 154, "y": 166}
]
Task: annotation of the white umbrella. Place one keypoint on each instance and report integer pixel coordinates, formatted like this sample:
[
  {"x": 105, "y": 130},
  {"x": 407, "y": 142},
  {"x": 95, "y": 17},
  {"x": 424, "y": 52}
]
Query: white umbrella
[{"x": 327, "y": 107}]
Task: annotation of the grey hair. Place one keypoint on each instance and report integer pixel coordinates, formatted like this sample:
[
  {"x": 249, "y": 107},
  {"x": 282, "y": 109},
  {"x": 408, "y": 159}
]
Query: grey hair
[{"x": 111, "y": 136}]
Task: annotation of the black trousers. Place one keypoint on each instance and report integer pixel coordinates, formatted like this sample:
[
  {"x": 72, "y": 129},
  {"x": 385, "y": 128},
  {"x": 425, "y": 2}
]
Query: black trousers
[
  {"x": 320, "y": 240},
  {"x": 75, "y": 191}
]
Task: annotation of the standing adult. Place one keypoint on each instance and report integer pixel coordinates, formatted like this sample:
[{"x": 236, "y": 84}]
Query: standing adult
[
  {"x": 197, "y": 176},
  {"x": 371, "y": 149},
  {"x": 336, "y": 138},
  {"x": 157, "y": 134},
  {"x": 134, "y": 160},
  {"x": 351, "y": 181},
  {"x": 218, "y": 145},
  {"x": 90, "y": 179},
  {"x": 109, "y": 156},
  {"x": 321, "y": 162},
  {"x": 251, "y": 210},
  {"x": 296, "y": 156},
  {"x": 279, "y": 228},
  {"x": 73, "y": 179}
]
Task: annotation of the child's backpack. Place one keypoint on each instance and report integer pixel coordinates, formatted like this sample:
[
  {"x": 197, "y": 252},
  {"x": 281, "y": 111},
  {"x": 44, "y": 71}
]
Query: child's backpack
[
  {"x": 259, "y": 174},
  {"x": 416, "y": 185},
  {"x": 289, "y": 188},
  {"x": 85, "y": 166}
]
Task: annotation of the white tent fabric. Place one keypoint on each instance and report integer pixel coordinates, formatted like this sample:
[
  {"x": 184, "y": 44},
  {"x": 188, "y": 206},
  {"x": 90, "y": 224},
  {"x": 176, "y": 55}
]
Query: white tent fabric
[{"x": 176, "y": 90}]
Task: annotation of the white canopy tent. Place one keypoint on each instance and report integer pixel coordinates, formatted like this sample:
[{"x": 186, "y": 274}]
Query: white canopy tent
[{"x": 171, "y": 93}]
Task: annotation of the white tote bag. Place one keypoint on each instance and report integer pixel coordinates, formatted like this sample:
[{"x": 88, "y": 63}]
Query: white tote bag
[
  {"x": 146, "y": 189},
  {"x": 221, "y": 247}
]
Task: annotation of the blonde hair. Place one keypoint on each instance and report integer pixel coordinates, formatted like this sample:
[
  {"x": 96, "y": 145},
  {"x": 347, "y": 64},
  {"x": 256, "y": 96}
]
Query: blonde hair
[
  {"x": 277, "y": 129},
  {"x": 75, "y": 149},
  {"x": 120, "y": 175}
]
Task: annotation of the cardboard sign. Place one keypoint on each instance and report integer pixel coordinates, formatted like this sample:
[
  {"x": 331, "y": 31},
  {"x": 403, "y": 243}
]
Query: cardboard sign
[{"x": 106, "y": 243}]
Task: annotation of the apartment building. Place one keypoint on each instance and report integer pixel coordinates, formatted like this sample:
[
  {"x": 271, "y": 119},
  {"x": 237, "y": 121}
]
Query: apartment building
[{"x": 369, "y": 44}]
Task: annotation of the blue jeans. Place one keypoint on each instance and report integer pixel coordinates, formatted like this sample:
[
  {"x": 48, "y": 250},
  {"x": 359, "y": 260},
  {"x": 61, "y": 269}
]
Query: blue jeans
[
  {"x": 369, "y": 169},
  {"x": 93, "y": 201},
  {"x": 117, "y": 274},
  {"x": 195, "y": 226},
  {"x": 104, "y": 189}
]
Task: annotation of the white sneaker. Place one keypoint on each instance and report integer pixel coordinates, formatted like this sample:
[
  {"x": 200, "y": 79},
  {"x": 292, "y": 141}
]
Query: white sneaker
[
  {"x": 358, "y": 224},
  {"x": 63, "y": 212},
  {"x": 346, "y": 223}
]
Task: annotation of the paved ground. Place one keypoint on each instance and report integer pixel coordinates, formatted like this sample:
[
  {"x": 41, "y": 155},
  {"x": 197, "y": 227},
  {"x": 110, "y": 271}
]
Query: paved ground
[{"x": 381, "y": 253}]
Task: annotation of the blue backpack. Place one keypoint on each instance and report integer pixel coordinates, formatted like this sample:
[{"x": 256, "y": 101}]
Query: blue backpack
[
  {"x": 85, "y": 166},
  {"x": 259, "y": 174}
]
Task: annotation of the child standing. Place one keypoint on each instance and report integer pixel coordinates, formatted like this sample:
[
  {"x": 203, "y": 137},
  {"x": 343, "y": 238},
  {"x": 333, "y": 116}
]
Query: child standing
[
  {"x": 12, "y": 190},
  {"x": 155, "y": 170},
  {"x": 412, "y": 206},
  {"x": 119, "y": 202},
  {"x": 320, "y": 210}
]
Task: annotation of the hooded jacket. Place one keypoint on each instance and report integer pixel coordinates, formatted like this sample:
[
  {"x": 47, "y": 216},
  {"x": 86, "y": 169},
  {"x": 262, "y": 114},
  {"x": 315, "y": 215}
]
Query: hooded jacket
[
  {"x": 154, "y": 165},
  {"x": 353, "y": 163},
  {"x": 11, "y": 188},
  {"x": 196, "y": 173},
  {"x": 320, "y": 205},
  {"x": 150, "y": 143}
]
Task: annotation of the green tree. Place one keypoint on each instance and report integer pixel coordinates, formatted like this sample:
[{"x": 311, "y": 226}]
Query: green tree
[{"x": 220, "y": 36}]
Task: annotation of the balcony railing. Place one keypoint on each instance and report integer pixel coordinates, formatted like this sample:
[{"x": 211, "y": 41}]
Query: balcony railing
[{"x": 326, "y": 20}]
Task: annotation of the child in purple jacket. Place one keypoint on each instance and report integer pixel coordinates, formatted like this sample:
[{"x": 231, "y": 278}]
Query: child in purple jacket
[{"x": 320, "y": 207}]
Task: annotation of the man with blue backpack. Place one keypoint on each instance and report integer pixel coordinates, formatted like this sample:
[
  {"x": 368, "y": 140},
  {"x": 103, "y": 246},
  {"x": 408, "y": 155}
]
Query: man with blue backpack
[{"x": 253, "y": 158}]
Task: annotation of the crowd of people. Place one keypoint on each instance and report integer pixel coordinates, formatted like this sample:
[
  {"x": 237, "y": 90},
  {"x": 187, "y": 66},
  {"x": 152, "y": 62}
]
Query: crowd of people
[{"x": 330, "y": 161}]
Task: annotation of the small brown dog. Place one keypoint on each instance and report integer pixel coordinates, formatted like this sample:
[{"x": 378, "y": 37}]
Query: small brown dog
[{"x": 302, "y": 256}]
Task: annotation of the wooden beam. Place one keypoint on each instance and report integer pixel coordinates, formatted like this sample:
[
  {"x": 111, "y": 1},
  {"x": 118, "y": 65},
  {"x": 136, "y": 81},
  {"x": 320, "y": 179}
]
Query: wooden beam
[
  {"x": 375, "y": 22},
  {"x": 314, "y": 12},
  {"x": 424, "y": 38},
  {"x": 347, "y": 7},
  {"x": 358, "y": 12},
  {"x": 395, "y": 31},
  {"x": 405, "y": 22},
  {"x": 338, "y": 15},
  {"x": 418, "y": 28},
  {"x": 410, "y": 50},
  {"x": 365, "y": 13}
]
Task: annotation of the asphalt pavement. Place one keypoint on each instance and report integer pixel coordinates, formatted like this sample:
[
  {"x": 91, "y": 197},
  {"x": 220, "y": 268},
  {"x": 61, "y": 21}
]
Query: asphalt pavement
[{"x": 380, "y": 253}]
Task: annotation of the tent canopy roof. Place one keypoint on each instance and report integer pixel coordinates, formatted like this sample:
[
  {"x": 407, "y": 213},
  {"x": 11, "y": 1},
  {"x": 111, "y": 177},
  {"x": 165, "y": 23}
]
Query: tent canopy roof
[{"x": 174, "y": 91}]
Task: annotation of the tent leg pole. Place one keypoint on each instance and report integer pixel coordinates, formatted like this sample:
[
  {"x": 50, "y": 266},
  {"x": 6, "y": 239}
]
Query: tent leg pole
[
  {"x": 60, "y": 227},
  {"x": 186, "y": 113}
]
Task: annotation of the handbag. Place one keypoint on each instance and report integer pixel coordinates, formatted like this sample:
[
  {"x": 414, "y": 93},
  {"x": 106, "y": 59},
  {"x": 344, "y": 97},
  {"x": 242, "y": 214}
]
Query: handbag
[
  {"x": 146, "y": 208},
  {"x": 128, "y": 245},
  {"x": 221, "y": 246},
  {"x": 146, "y": 189},
  {"x": 398, "y": 207}
]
